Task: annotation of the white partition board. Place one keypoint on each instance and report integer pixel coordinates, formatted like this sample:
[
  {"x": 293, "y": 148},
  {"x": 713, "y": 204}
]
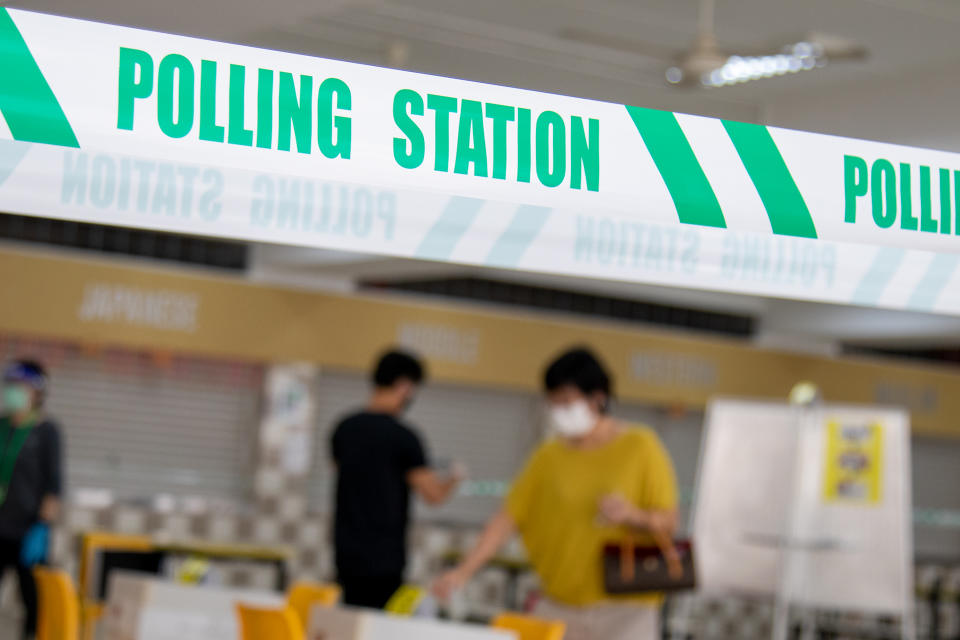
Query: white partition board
[{"x": 776, "y": 515}]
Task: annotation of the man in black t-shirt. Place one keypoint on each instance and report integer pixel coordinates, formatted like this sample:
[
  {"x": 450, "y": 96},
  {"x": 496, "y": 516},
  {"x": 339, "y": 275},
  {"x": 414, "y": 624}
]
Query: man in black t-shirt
[
  {"x": 379, "y": 460},
  {"x": 30, "y": 479}
]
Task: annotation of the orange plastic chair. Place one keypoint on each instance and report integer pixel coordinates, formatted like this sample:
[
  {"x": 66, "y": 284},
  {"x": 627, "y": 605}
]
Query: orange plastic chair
[
  {"x": 59, "y": 612},
  {"x": 305, "y": 595},
  {"x": 257, "y": 623},
  {"x": 529, "y": 628}
]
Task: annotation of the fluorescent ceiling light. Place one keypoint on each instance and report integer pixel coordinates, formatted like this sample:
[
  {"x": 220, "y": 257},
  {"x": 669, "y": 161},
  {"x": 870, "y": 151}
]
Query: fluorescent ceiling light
[{"x": 802, "y": 56}]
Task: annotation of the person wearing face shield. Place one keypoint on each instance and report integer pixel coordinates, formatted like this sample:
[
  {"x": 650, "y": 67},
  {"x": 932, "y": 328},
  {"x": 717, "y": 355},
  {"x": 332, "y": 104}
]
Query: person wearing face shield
[
  {"x": 596, "y": 480},
  {"x": 379, "y": 461},
  {"x": 30, "y": 479}
]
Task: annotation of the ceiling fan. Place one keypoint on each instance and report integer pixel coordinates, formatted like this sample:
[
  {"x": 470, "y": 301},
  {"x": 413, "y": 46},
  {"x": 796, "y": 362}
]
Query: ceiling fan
[{"x": 706, "y": 63}]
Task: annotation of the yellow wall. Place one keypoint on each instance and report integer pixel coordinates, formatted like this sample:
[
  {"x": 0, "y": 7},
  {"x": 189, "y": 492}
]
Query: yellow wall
[{"x": 103, "y": 301}]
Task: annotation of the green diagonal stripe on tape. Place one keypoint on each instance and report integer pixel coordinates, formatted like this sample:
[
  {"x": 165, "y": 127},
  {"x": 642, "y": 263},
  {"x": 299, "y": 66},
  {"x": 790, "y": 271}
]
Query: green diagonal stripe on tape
[
  {"x": 886, "y": 263},
  {"x": 671, "y": 151},
  {"x": 517, "y": 238},
  {"x": 450, "y": 227},
  {"x": 934, "y": 282},
  {"x": 26, "y": 100},
  {"x": 11, "y": 153},
  {"x": 788, "y": 213}
]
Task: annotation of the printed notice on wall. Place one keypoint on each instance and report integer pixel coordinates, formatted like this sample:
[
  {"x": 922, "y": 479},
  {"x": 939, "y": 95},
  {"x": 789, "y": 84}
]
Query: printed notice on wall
[{"x": 853, "y": 472}]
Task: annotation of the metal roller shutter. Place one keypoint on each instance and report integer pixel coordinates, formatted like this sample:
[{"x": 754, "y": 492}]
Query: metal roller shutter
[
  {"x": 140, "y": 426},
  {"x": 490, "y": 431},
  {"x": 936, "y": 476}
]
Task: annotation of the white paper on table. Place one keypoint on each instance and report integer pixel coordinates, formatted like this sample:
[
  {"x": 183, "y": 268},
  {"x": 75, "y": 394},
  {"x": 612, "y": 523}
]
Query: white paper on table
[
  {"x": 148, "y": 608},
  {"x": 356, "y": 624}
]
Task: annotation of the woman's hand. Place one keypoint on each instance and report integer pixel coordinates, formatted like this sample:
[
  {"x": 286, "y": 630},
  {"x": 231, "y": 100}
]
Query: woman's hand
[
  {"x": 494, "y": 535},
  {"x": 449, "y": 583},
  {"x": 659, "y": 523},
  {"x": 618, "y": 511}
]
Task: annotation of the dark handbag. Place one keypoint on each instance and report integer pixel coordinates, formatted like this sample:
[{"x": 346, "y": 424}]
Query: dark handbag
[{"x": 629, "y": 568}]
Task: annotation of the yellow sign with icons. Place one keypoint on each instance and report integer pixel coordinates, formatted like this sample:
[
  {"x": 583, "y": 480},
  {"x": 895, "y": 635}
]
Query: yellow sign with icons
[{"x": 853, "y": 473}]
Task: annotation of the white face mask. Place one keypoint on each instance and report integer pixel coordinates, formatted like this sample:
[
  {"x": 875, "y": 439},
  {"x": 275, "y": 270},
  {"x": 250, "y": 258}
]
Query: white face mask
[{"x": 572, "y": 421}]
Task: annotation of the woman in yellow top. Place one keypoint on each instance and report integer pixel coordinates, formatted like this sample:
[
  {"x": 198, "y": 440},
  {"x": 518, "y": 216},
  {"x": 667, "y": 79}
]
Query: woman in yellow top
[{"x": 599, "y": 480}]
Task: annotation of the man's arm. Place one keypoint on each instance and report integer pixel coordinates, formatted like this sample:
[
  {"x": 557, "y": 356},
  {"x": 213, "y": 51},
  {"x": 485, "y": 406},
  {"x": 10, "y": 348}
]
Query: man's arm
[{"x": 433, "y": 488}]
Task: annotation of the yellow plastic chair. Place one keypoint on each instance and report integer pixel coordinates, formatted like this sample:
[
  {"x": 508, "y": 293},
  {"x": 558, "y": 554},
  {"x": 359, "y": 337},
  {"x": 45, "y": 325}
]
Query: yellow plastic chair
[
  {"x": 59, "y": 612},
  {"x": 530, "y": 628},
  {"x": 258, "y": 623},
  {"x": 92, "y": 543},
  {"x": 305, "y": 595}
]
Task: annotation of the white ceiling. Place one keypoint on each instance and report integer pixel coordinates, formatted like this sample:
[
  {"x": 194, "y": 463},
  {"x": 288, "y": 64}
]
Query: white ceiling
[{"x": 521, "y": 43}]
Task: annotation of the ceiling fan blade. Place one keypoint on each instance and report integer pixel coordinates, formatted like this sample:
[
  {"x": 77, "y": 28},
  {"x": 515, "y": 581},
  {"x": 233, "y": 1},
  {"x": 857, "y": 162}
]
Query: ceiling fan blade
[
  {"x": 833, "y": 48},
  {"x": 839, "y": 48},
  {"x": 637, "y": 47}
]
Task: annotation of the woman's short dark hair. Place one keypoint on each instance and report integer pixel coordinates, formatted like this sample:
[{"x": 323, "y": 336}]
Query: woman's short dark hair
[
  {"x": 579, "y": 368},
  {"x": 397, "y": 365}
]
